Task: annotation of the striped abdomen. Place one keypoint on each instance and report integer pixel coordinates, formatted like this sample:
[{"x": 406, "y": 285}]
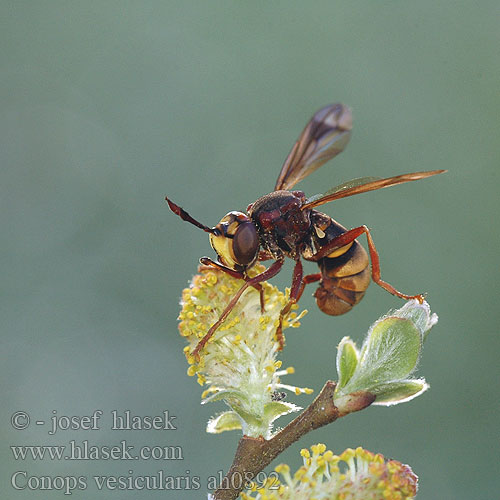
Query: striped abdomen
[{"x": 345, "y": 272}]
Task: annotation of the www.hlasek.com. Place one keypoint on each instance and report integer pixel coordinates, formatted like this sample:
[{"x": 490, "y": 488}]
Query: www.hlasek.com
[{"x": 83, "y": 450}]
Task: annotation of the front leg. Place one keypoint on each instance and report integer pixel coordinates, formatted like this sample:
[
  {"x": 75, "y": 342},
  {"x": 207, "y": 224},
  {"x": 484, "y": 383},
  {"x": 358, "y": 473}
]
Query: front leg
[
  {"x": 264, "y": 276},
  {"x": 206, "y": 261}
]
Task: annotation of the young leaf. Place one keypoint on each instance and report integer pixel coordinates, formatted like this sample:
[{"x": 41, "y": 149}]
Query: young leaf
[
  {"x": 399, "y": 392},
  {"x": 389, "y": 356},
  {"x": 226, "y": 421},
  {"x": 276, "y": 409},
  {"x": 347, "y": 361}
]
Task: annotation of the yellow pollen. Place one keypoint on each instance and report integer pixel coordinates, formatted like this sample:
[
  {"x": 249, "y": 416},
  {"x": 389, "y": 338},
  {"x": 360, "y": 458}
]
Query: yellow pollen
[
  {"x": 318, "y": 448},
  {"x": 282, "y": 468}
]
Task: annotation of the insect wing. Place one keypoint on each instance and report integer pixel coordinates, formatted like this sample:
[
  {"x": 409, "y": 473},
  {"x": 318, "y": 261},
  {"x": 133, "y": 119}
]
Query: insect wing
[
  {"x": 325, "y": 136},
  {"x": 365, "y": 184},
  {"x": 342, "y": 187}
]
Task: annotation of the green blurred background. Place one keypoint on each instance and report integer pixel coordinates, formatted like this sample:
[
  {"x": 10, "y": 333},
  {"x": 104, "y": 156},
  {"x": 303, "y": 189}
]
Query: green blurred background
[{"x": 106, "y": 107}]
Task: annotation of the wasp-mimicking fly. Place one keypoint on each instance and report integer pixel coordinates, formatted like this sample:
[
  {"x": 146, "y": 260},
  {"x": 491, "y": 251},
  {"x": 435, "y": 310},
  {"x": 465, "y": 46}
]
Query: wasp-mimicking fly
[{"x": 285, "y": 223}]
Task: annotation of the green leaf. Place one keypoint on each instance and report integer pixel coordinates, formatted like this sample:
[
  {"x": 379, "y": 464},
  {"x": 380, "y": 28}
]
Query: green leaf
[
  {"x": 392, "y": 349},
  {"x": 420, "y": 314},
  {"x": 347, "y": 361},
  {"x": 276, "y": 409},
  {"x": 227, "y": 421},
  {"x": 399, "y": 391},
  {"x": 389, "y": 356},
  {"x": 390, "y": 352},
  {"x": 227, "y": 395}
]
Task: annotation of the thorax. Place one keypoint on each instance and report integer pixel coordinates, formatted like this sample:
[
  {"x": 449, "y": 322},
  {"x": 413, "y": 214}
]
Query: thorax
[{"x": 284, "y": 229}]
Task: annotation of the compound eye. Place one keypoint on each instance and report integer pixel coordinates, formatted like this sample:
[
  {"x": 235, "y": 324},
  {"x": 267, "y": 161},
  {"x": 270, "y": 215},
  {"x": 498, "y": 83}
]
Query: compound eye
[{"x": 245, "y": 244}]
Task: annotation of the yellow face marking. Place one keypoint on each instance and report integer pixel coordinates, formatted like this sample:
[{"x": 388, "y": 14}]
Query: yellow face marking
[
  {"x": 232, "y": 227},
  {"x": 340, "y": 251},
  {"x": 223, "y": 247},
  {"x": 223, "y": 243}
]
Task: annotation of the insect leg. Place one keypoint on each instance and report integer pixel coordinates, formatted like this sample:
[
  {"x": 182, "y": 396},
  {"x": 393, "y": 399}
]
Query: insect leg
[
  {"x": 206, "y": 261},
  {"x": 267, "y": 274},
  {"x": 310, "y": 278},
  {"x": 348, "y": 237},
  {"x": 295, "y": 292}
]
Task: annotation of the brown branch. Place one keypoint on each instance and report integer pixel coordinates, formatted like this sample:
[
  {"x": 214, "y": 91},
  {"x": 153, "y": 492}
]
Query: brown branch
[{"x": 253, "y": 454}]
